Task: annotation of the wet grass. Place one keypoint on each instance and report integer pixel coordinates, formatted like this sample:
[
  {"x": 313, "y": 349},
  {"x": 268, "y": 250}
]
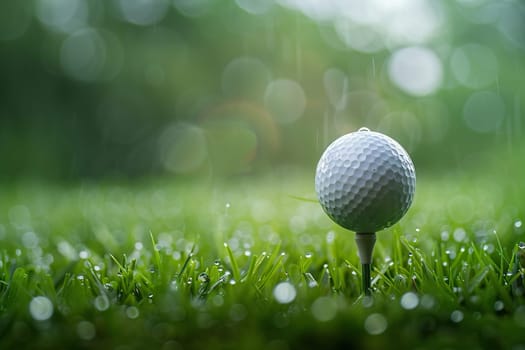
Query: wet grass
[{"x": 249, "y": 264}]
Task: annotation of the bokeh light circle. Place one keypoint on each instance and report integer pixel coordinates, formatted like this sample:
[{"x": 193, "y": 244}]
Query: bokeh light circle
[
  {"x": 474, "y": 66},
  {"x": 416, "y": 70},
  {"x": 484, "y": 111},
  {"x": 285, "y": 99},
  {"x": 183, "y": 148}
]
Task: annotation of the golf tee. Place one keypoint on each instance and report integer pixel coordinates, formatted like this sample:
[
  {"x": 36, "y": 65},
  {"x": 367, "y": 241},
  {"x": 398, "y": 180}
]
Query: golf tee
[{"x": 365, "y": 246}]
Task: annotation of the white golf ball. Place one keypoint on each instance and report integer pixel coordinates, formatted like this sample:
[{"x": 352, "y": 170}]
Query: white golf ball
[{"x": 365, "y": 181}]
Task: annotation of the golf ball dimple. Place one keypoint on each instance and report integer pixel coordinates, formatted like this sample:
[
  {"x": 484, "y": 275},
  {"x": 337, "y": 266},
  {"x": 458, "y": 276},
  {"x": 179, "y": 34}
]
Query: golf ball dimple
[{"x": 365, "y": 181}]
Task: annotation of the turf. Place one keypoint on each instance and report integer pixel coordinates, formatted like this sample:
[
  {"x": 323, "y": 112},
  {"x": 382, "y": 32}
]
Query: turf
[{"x": 254, "y": 263}]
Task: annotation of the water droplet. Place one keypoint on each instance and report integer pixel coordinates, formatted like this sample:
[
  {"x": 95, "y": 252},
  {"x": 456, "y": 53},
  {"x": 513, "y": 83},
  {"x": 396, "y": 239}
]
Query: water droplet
[
  {"x": 489, "y": 248},
  {"x": 284, "y": 292},
  {"x": 228, "y": 205},
  {"x": 312, "y": 283},
  {"x": 364, "y": 129},
  {"x": 308, "y": 255},
  {"x": 517, "y": 224},
  {"x": 83, "y": 254},
  {"x": 376, "y": 324},
  {"x": 132, "y": 312},
  {"x": 41, "y": 308},
  {"x": 247, "y": 253},
  {"x": 101, "y": 303},
  {"x": 409, "y": 301},
  {"x": 204, "y": 278},
  {"x": 445, "y": 236}
]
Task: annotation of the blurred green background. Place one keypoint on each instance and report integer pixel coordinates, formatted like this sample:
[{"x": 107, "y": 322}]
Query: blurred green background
[{"x": 215, "y": 88}]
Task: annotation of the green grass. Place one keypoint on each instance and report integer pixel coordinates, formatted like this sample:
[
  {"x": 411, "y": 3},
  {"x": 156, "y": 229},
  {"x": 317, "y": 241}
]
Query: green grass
[{"x": 197, "y": 264}]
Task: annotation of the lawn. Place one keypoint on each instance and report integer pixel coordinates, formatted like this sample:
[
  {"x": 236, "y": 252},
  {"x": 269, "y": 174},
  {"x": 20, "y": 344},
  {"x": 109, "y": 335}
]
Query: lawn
[{"x": 254, "y": 263}]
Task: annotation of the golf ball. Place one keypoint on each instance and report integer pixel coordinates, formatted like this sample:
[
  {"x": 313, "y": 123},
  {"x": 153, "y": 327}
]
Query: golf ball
[{"x": 365, "y": 181}]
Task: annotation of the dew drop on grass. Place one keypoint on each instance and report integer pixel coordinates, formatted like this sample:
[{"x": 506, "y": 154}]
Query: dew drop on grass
[
  {"x": 41, "y": 308},
  {"x": 489, "y": 248},
  {"x": 204, "y": 278},
  {"x": 445, "y": 236},
  {"x": 375, "y": 324},
  {"x": 518, "y": 224},
  {"x": 132, "y": 312},
  {"x": 284, "y": 293},
  {"x": 308, "y": 255},
  {"x": 312, "y": 283},
  {"x": 83, "y": 254},
  {"x": 409, "y": 301},
  {"x": 101, "y": 303}
]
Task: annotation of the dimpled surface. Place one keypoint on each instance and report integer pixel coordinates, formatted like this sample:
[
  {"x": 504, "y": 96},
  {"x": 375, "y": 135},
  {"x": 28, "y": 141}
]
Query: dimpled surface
[{"x": 365, "y": 181}]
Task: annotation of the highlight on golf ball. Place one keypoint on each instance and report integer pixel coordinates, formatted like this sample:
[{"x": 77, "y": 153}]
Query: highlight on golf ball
[{"x": 365, "y": 181}]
